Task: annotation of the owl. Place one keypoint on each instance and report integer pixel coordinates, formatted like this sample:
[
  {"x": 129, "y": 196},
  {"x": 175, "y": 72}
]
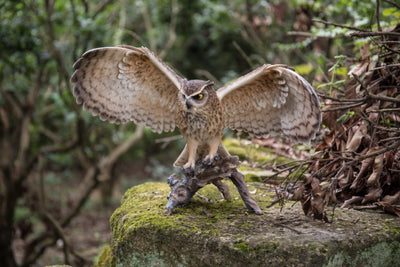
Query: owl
[{"x": 123, "y": 83}]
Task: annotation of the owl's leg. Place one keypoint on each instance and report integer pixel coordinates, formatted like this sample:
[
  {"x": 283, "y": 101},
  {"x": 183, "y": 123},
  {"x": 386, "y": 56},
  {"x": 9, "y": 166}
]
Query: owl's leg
[
  {"x": 192, "y": 152},
  {"x": 213, "y": 146}
]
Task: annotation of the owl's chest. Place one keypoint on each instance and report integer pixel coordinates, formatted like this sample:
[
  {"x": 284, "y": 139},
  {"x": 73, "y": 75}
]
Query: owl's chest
[{"x": 200, "y": 126}]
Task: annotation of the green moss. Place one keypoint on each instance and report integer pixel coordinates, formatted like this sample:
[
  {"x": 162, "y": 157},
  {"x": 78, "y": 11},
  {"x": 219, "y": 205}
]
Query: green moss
[
  {"x": 239, "y": 236},
  {"x": 235, "y": 148},
  {"x": 142, "y": 207},
  {"x": 254, "y": 153},
  {"x": 142, "y": 211},
  {"x": 257, "y": 248},
  {"x": 392, "y": 228},
  {"x": 229, "y": 235},
  {"x": 258, "y": 175},
  {"x": 105, "y": 259},
  {"x": 382, "y": 254},
  {"x": 269, "y": 246},
  {"x": 243, "y": 246}
]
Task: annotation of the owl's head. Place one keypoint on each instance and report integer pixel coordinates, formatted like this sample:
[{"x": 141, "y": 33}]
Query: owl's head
[{"x": 195, "y": 94}]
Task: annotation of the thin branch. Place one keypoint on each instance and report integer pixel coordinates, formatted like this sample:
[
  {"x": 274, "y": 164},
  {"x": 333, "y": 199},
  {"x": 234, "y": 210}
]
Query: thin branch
[
  {"x": 148, "y": 26},
  {"x": 384, "y": 98},
  {"x": 101, "y": 6},
  {"x": 343, "y": 107},
  {"x": 305, "y": 34},
  {"x": 384, "y": 110},
  {"x": 172, "y": 29},
  {"x": 368, "y": 33},
  {"x": 242, "y": 53},
  {"x": 392, "y": 3},
  {"x": 340, "y": 25},
  {"x": 111, "y": 158},
  {"x": 377, "y": 152},
  {"x": 166, "y": 140},
  {"x": 386, "y": 66},
  {"x": 377, "y": 12},
  {"x": 93, "y": 173}
]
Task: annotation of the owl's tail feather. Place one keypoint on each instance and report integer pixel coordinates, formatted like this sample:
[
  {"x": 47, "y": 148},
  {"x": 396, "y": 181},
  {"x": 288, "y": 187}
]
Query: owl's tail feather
[{"x": 183, "y": 157}]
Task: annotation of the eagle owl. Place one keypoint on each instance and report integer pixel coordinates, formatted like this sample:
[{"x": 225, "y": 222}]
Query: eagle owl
[{"x": 124, "y": 83}]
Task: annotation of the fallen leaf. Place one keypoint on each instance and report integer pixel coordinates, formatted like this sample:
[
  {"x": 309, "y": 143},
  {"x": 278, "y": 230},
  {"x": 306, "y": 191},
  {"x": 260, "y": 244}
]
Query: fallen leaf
[
  {"x": 373, "y": 195},
  {"x": 353, "y": 143},
  {"x": 373, "y": 179},
  {"x": 353, "y": 200}
]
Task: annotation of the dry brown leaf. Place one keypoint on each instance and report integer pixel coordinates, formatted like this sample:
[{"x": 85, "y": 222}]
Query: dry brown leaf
[
  {"x": 353, "y": 143},
  {"x": 357, "y": 184},
  {"x": 394, "y": 209},
  {"x": 306, "y": 205},
  {"x": 364, "y": 52},
  {"x": 298, "y": 193},
  {"x": 373, "y": 179},
  {"x": 359, "y": 69},
  {"x": 353, "y": 200},
  {"x": 393, "y": 199},
  {"x": 373, "y": 195}
]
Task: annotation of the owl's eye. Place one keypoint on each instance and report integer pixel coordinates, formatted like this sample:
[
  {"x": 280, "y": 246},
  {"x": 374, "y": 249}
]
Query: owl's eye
[{"x": 198, "y": 96}]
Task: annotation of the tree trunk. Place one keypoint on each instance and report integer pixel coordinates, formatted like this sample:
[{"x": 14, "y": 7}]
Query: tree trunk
[
  {"x": 7, "y": 208},
  {"x": 6, "y": 253}
]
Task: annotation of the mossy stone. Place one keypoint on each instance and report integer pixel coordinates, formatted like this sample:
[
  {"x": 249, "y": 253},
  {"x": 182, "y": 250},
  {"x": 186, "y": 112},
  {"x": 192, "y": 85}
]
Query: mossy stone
[
  {"x": 253, "y": 153},
  {"x": 106, "y": 258},
  {"x": 210, "y": 231}
]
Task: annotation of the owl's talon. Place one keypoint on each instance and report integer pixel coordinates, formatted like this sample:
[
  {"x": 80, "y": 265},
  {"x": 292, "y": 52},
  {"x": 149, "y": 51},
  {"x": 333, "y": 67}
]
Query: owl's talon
[{"x": 209, "y": 160}]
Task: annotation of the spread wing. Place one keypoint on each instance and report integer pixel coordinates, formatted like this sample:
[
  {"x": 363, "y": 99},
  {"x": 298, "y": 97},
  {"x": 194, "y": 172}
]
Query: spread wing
[
  {"x": 124, "y": 83},
  {"x": 272, "y": 100}
]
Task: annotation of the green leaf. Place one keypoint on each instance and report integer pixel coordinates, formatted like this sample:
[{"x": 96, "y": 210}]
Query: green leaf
[
  {"x": 341, "y": 71},
  {"x": 304, "y": 69},
  {"x": 388, "y": 11}
]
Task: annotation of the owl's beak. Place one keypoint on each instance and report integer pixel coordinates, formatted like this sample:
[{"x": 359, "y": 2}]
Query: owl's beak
[{"x": 188, "y": 104}]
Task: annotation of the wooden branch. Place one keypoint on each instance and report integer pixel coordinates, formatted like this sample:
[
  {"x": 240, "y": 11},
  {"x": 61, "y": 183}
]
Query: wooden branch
[
  {"x": 243, "y": 54},
  {"x": 172, "y": 29},
  {"x": 183, "y": 189},
  {"x": 377, "y": 12},
  {"x": 343, "y": 107},
  {"x": 93, "y": 174},
  {"x": 15, "y": 104},
  {"x": 166, "y": 140},
  {"x": 148, "y": 25},
  {"x": 383, "y": 98},
  {"x": 340, "y": 25},
  {"x": 23, "y": 141},
  {"x": 100, "y": 6},
  {"x": 393, "y": 146},
  {"x": 368, "y": 33},
  {"x": 105, "y": 165},
  {"x": 49, "y": 134},
  {"x": 305, "y": 34},
  {"x": 392, "y": 3},
  {"x": 36, "y": 248},
  {"x": 57, "y": 56}
]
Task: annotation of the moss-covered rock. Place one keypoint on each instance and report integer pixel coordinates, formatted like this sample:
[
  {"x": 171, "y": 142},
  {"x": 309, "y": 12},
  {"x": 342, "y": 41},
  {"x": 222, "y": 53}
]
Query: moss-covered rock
[
  {"x": 211, "y": 232},
  {"x": 106, "y": 258},
  {"x": 253, "y": 153}
]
